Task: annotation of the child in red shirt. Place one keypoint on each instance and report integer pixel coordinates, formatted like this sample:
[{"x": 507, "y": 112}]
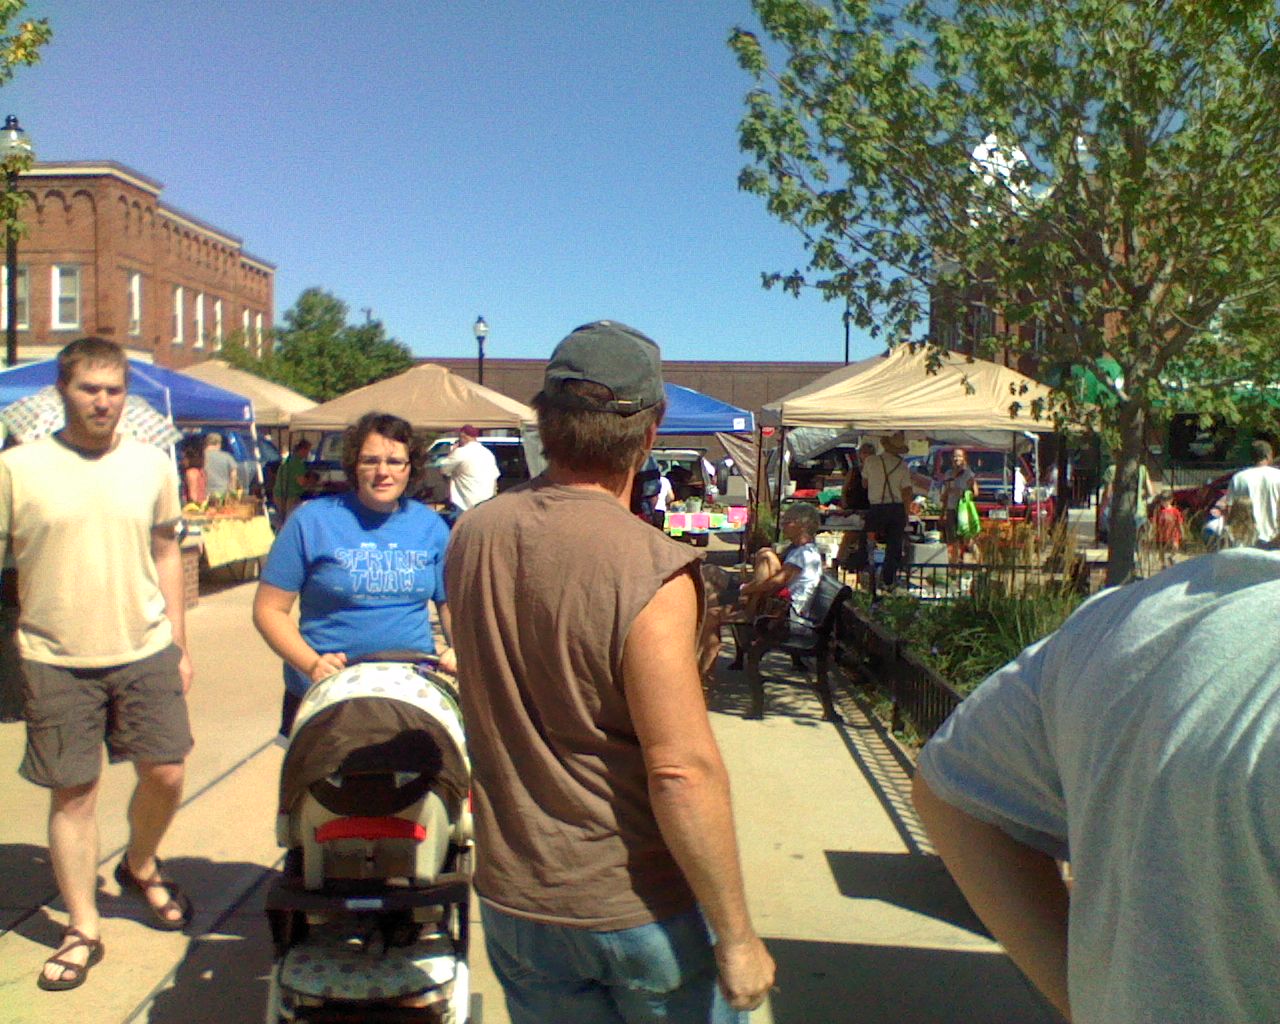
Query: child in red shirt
[{"x": 1169, "y": 528}]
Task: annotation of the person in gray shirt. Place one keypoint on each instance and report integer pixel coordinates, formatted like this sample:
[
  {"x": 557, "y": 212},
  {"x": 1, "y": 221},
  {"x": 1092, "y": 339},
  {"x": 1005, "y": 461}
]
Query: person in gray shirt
[
  {"x": 220, "y": 469},
  {"x": 1140, "y": 742}
]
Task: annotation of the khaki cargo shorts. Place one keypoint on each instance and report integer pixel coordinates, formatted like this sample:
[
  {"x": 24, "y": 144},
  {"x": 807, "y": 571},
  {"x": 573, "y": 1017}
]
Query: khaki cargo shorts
[{"x": 138, "y": 709}]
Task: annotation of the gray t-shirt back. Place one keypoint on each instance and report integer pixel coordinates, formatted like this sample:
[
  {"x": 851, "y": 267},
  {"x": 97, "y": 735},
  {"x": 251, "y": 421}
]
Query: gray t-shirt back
[{"x": 1142, "y": 742}]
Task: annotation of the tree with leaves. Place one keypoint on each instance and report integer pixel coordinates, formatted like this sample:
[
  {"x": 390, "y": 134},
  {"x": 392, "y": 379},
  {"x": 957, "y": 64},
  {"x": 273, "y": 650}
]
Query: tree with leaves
[
  {"x": 20, "y": 45},
  {"x": 316, "y": 352},
  {"x": 1105, "y": 169}
]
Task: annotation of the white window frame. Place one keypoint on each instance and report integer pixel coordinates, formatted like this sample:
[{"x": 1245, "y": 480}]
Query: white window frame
[
  {"x": 244, "y": 326},
  {"x": 217, "y": 324},
  {"x": 198, "y": 342},
  {"x": 257, "y": 332},
  {"x": 57, "y": 273},
  {"x": 179, "y": 325},
  {"x": 134, "y": 295},
  {"x": 24, "y": 298}
]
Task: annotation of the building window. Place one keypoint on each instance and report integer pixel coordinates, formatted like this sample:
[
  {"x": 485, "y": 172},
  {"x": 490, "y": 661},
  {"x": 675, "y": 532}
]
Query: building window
[
  {"x": 24, "y": 305},
  {"x": 244, "y": 326},
  {"x": 257, "y": 333},
  {"x": 199, "y": 339},
  {"x": 217, "y": 324},
  {"x": 179, "y": 335},
  {"x": 134, "y": 299},
  {"x": 65, "y": 292}
]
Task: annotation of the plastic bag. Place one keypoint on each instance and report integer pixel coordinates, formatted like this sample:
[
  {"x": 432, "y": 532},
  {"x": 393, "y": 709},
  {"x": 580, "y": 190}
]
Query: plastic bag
[{"x": 967, "y": 524}]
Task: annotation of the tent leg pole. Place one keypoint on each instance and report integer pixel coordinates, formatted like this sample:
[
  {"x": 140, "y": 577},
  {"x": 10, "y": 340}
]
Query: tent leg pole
[{"x": 782, "y": 470}]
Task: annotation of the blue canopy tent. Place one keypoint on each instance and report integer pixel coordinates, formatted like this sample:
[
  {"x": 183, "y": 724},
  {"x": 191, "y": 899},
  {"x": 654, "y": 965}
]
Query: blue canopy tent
[
  {"x": 691, "y": 412},
  {"x": 183, "y": 399}
]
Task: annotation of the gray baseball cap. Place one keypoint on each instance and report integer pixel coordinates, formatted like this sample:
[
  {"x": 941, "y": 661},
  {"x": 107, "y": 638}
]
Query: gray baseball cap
[{"x": 612, "y": 355}]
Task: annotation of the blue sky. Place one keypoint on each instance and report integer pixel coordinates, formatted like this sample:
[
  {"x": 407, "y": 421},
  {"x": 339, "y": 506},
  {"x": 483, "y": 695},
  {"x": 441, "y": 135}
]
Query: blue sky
[{"x": 542, "y": 163}]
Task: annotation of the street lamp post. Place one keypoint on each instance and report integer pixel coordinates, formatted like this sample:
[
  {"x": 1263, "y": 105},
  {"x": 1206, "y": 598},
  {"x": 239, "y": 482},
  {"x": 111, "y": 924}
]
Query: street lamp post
[
  {"x": 14, "y": 145},
  {"x": 481, "y": 331},
  {"x": 848, "y": 319}
]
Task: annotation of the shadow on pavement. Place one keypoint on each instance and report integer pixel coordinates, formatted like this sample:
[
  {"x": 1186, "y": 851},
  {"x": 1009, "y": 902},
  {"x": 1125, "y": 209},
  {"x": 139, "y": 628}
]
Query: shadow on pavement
[
  {"x": 223, "y": 977},
  {"x": 788, "y": 693},
  {"x": 835, "y": 983},
  {"x": 26, "y": 881},
  {"x": 914, "y": 881}
]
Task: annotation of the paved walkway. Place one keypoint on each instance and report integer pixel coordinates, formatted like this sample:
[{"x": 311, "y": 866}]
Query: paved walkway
[{"x": 860, "y": 916}]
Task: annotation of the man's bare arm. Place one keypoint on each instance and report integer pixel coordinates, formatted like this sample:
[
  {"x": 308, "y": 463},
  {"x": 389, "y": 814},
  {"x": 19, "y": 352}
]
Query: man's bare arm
[
  {"x": 166, "y": 551},
  {"x": 688, "y": 784},
  {"x": 1018, "y": 892}
]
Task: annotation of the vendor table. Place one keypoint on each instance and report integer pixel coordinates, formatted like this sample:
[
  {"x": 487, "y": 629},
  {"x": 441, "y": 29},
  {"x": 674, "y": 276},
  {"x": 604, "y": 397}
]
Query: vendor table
[{"x": 231, "y": 540}]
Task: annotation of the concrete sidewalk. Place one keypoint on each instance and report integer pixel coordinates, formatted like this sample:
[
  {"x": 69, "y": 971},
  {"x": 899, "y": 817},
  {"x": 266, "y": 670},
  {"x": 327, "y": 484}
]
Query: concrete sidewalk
[{"x": 860, "y": 916}]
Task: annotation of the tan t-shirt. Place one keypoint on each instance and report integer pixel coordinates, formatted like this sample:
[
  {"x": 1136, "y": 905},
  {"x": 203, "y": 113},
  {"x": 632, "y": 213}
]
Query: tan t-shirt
[
  {"x": 545, "y": 582},
  {"x": 80, "y": 532}
]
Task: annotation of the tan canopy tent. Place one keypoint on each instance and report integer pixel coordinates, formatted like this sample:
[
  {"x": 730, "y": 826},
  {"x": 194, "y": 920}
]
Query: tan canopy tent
[
  {"x": 428, "y": 396},
  {"x": 897, "y": 391},
  {"x": 273, "y": 404}
]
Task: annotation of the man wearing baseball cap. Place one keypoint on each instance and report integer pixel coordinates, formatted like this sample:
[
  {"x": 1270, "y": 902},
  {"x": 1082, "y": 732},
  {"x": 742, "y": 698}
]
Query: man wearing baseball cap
[
  {"x": 608, "y": 870},
  {"x": 471, "y": 469}
]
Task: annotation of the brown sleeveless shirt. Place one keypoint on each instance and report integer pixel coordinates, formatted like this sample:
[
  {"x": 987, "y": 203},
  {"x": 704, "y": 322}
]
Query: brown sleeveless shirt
[{"x": 543, "y": 584}]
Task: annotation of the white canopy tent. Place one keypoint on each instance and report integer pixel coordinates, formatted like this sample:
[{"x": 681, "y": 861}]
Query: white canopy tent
[
  {"x": 963, "y": 400},
  {"x": 898, "y": 391}
]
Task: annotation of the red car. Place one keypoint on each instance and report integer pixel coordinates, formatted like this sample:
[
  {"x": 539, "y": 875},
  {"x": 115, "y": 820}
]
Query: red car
[{"x": 1202, "y": 497}]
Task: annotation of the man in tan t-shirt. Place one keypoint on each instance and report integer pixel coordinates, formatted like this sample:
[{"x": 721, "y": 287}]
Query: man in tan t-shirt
[
  {"x": 605, "y": 841},
  {"x": 90, "y": 516}
]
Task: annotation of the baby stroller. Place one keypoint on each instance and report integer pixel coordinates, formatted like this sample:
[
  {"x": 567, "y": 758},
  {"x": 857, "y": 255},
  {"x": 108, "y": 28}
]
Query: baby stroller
[{"x": 370, "y": 916}]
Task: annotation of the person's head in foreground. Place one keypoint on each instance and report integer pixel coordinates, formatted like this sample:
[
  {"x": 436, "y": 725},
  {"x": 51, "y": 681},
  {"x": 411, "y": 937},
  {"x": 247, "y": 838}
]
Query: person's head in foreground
[
  {"x": 93, "y": 382},
  {"x": 381, "y": 458},
  {"x": 601, "y": 401}
]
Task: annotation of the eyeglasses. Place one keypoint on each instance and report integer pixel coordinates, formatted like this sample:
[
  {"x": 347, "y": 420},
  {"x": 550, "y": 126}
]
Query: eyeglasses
[{"x": 374, "y": 461}]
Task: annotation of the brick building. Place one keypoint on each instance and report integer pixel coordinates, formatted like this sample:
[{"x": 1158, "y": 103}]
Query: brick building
[{"x": 103, "y": 255}]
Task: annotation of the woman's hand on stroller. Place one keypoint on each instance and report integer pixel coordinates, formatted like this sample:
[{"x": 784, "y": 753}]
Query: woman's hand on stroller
[
  {"x": 447, "y": 661},
  {"x": 326, "y": 665}
]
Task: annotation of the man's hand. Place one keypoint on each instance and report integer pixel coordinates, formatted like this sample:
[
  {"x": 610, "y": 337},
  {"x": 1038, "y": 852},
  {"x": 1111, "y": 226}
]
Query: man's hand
[
  {"x": 326, "y": 665},
  {"x": 746, "y": 972},
  {"x": 186, "y": 671}
]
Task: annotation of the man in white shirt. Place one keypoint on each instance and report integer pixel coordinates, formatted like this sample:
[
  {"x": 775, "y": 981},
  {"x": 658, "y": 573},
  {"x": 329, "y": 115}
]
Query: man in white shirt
[
  {"x": 471, "y": 469},
  {"x": 1260, "y": 483}
]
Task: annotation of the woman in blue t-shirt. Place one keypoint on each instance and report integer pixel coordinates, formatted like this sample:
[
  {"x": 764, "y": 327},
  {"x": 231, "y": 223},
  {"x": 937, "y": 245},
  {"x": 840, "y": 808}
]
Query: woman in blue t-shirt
[{"x": 364, "y": 563}]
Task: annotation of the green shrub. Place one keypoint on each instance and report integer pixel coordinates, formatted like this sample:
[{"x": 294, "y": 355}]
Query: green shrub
[{"x": 967, "y": 639}]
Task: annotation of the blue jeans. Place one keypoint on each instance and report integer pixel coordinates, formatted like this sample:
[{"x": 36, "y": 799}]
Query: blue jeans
[{"x": 664, "y": 971}]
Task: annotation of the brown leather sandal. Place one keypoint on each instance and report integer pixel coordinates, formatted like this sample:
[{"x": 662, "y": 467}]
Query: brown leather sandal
[
  {"x": 129, "y": 882},
  {"x": 73, "y": 974}
]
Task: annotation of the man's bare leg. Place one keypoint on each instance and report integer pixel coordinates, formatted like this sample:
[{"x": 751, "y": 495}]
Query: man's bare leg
[
  {"x": 73, "y": 849},
  {"x": 155, "y": 801}
]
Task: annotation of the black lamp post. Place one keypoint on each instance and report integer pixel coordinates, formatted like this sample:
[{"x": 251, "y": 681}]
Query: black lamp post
[
  {"x": 481, "y": 331},
  {"x": 848, "y": 319},
  {"x": 14, "y": 145}
]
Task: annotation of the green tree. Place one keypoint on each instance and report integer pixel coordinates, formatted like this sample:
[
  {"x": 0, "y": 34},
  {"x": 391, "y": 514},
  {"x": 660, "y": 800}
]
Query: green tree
[
  {"x": 317, "y": 353},
  {"x": 20, "y": 45},
  {"x": 1103, "y": 167}
]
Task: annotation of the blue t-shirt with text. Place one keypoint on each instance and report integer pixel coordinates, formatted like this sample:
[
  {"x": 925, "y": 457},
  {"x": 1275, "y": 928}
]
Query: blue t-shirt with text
[{"x": 363, "y": 577}]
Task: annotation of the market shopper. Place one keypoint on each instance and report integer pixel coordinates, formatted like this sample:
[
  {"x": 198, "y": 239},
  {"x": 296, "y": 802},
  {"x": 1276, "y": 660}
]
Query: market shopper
[
  {"x": 1260, "y": 483},
  {"x": 958, "y": 481},
  {"x": 290, "y": 482},
  {"x": 889, "y": 487},
  {"x": 608, "y": 872},
  {"x": 364, "y": 564},
  {"x": 472, "y": 471},
  {"x": 1141, "y": 742},
  {"x": 90, "y": 516},
  {"x": 222, "y": 475}
]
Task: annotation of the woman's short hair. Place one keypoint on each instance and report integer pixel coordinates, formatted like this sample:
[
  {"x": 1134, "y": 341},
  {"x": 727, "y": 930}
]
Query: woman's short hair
[
  {"x": 805, "y": 514},
  {"x": 597, "y": 442},
  {"x": 393, "y": 428}
]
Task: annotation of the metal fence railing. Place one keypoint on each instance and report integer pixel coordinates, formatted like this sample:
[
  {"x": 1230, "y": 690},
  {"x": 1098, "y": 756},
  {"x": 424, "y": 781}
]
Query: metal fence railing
[{"x": 880, "y": 662}]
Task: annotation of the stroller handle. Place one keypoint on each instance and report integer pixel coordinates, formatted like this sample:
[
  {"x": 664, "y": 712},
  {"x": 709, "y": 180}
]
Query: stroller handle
[{"x": 408, "y": 657}]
